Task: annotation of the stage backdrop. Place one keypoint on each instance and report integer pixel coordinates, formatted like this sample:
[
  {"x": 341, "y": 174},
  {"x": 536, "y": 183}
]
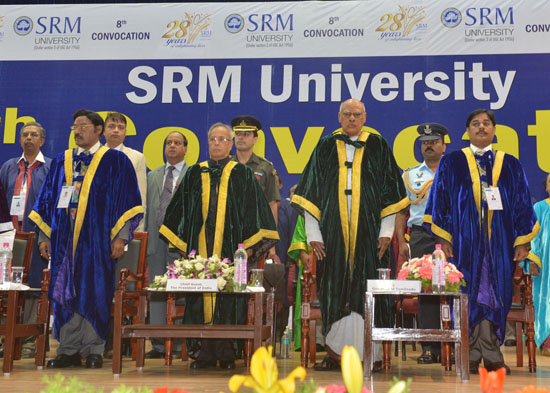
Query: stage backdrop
[{"x": 186, "y": 66}]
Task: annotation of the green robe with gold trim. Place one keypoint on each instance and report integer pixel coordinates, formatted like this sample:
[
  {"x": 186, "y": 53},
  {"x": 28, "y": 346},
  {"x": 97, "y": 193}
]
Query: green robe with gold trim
[
  {"x": 350, "y": 239},
  {"x": 218, "y": 206}
]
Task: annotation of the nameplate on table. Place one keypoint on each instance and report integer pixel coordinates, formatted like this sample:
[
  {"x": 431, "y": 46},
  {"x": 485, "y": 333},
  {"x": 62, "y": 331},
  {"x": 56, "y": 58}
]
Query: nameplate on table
[
  {"x": 192, "y": 285},
  {"x": 404, "y": 286}
]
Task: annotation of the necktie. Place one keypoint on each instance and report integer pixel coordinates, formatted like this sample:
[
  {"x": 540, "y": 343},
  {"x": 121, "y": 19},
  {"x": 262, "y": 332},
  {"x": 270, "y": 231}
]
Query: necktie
[
  {"x": 83, "y": 161},
  {"x": 166, "y": 195},
  {"x": 22, "y": 178},
  {"x": 485, "y": 167}
]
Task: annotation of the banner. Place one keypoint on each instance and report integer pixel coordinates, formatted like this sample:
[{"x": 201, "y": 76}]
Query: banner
[{"x": 186, "y": 66}]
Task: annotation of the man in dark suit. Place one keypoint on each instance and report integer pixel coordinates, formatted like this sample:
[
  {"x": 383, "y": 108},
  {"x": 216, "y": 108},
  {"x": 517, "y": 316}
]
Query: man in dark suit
[{"x": 160, "y": 184}]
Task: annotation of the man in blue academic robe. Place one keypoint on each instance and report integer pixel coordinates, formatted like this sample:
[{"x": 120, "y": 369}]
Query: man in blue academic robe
[
  {"x": 87, "y": 209},
  {"x": 480, "y": 208}
]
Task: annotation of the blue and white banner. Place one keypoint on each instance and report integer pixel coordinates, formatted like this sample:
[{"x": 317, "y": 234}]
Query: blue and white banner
[{"x": 186, "y": 66}]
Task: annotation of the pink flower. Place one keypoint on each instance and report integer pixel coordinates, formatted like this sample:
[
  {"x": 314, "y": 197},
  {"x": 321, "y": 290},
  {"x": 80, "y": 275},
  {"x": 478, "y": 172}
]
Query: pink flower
[
  {"x": 425, "y": 272},
  {"x": 192, "y": 253},
  {"x": 453, "y": 277},
  {"x": 403, "y": 274},
  {"x": 335, "y": 389}
]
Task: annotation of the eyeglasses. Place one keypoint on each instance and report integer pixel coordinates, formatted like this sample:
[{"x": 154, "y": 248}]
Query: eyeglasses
[
  {"x": 80, "y": 126},
  {"x": 347, "y": 115},
  {"x": 221, "y": 139},
  {"x": 113, "y": 126},
  {"x": 244, "y": 134},
  {"x": 477, "y": 124},
  {"x": 31, "y": 134}
]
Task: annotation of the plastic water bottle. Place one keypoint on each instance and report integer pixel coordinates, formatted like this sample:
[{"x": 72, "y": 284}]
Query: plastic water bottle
[
  {"x": 240, "y": 275},
  {"x": 438, "y": 270},
  {"x": 5, "y": 263},
  {"x": 285, "y": 344}
]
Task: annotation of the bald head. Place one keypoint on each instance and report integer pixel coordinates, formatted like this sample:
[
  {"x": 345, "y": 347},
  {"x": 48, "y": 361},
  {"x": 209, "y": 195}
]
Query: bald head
[{"x": 352, "y": 116}]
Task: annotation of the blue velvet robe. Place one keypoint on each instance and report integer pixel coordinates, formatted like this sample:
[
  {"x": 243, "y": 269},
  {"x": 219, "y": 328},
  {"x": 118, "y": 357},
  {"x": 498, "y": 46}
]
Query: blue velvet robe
[
  {"x": 8, "y": 177},
  {"x": 453, "y": 213},
  {"x": 82, "y": 271},
  {"x": 541, "y": 253}
]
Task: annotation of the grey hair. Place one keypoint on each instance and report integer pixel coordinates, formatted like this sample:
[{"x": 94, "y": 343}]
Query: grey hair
[
  {"x": 219, "y": 124},
  {"x": 34, "y": 123},
  {"x": 352, "y": 99}
]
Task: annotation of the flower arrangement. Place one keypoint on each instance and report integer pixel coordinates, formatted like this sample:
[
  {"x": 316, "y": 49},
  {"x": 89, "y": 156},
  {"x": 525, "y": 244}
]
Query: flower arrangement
[
  {"x": 198, "y": 267},
  {"x": 421, "y": 269}
]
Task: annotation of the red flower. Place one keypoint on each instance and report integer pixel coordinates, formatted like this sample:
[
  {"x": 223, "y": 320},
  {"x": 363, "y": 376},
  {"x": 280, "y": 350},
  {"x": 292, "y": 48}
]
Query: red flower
[{"x": 165, "y": 390}]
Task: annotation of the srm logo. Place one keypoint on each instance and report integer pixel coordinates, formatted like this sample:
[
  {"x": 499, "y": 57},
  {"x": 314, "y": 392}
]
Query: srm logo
[
  {"x": 268, "y": 22},
  {"x": 57, "y": 25},
  {"x": 487, "y": 16}
]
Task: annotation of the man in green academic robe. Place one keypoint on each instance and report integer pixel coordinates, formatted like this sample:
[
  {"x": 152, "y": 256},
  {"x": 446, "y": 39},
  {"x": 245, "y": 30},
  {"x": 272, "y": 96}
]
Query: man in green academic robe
[
  {"x": 219, "y": 205},
  {"x": 350, "y": 191}
]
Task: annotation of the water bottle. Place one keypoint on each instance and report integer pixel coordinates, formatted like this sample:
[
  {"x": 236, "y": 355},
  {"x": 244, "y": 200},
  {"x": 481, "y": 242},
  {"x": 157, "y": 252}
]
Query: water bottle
[
  {"x": 5, "y": 263},
  {"x": 438, "y": 270},
  {"x": 240, "y": 275},
  {"x": 285, "y": 344}
]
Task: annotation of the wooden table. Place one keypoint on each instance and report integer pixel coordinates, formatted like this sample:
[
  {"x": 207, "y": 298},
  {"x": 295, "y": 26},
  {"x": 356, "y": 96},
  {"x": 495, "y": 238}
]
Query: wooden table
[
  {"x": 254, "y": 332},
  {"x": 14, "y": 328},
  {"x": 458, "y": 334}
]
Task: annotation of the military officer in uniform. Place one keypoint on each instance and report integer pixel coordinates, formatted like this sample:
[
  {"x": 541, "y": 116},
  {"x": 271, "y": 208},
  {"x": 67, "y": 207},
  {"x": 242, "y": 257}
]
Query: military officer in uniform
[
  {"x": 418, "y": 181},
  {"x": 246, "y": 135}
]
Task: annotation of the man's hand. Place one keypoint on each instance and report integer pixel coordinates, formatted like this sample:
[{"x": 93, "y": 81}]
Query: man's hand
[
  {"x": 117, "y": 248},
  {"x": 404, "y": 251},
  {"x": 447, "y": 248},
  {"x": 304, "y": 258},
  {"x": 520, "y": 252},
  {"x": 318, "y": 249},
  {"x": 44, "y": 248},
  {"x": 534, "y": 269},
  {"x": 383, "y": 244}
]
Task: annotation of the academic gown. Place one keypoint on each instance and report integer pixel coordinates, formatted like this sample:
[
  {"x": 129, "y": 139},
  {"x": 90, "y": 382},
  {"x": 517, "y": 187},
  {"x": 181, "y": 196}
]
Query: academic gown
[
  {"x": 240, "y": 214},
  {"x": 350, "y": 240},
  {"x": 541, "y": 284},
  {"x": 453, "y": 213},
  {"x": 82, "y": 273}
]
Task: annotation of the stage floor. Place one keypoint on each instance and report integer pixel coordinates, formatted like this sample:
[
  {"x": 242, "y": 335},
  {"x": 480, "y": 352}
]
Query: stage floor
[{"x": 426, "y": 378}]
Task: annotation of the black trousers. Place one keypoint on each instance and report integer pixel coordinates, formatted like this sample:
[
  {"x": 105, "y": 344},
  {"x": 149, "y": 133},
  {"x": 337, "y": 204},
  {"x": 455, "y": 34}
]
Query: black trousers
[
  {"x": 215, "y": 349},
  {"x": 421, "y": 243}
]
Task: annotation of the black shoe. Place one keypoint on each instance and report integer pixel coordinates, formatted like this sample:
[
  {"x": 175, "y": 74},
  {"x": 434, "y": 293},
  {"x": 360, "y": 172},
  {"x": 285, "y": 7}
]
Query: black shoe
[
  {"x": 510, "y": 342},
  {"x": 496, "y": 366},
  {"x": 377, "y": 366},
  {"x": 328, "y": 364},
  {"x": 203, "y": 364},
  {"x": 428, "y": 357},
  {"x": 94, "y": 361},
  {"x": 474, "y": 367},
  {"x": 320, "y": 348},
  {"x": 228, "y": 365},
  {"x": 62, "y": 361},
  {"x": 154, "y": 354}
]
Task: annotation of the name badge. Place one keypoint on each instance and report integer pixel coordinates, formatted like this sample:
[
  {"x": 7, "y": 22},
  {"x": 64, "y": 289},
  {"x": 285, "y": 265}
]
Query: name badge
[
  {"x": 17, "y": 206},
  {"x": 492, "y": 195},
  {"x": 65, "y": 197}
]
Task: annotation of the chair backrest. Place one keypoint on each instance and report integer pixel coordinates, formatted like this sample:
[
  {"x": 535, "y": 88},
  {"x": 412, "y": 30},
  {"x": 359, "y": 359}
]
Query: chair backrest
[
  {"x": 23, "y": 246},
  {"x": 134, "y": 259}
]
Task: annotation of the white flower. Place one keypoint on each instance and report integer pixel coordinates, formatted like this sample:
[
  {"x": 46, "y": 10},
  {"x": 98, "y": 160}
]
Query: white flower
[
  {"x": 201, "y": 275},
  {"x": 199, "y": 266},
  {"x": 221, "y": 283},
  {"x": 187, "y": 265}
]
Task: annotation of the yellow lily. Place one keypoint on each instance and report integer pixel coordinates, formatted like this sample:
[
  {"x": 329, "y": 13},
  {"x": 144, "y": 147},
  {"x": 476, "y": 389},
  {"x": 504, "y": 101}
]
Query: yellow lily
[
  {"x": 264, "y": 374},
  {"x": 352, "y": 370}
]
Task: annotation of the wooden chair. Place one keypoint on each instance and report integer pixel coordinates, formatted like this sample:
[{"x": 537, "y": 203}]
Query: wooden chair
[
  {"x": 22, "y": 254},
  {"x": 133, "y": 262},
  {"x": 522, "y": 313},
  {"x": 311, "y": 312}
]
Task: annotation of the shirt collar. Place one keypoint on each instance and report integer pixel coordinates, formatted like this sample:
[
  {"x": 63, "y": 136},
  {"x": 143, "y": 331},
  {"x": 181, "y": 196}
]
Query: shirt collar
[
  {"x": 92, "y": 150},
  {"x": 177, "y": 167},
  {"x": 477, "y": 150},
  {"x": 119, "y": 147},
  {"x": 39, "y": 158}
]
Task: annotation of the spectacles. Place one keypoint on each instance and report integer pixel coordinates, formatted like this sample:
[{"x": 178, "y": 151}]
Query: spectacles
[
  {"x": 243, "y": 133},
  {"x": 347, "y": 115},
  {"x": 121, "y": 127},
  {"x": 221, "y": 139},
  {"x": 477, "y": 124},
  {"x": 80, "y": 126},
  {"x": 31, "y": 134}
]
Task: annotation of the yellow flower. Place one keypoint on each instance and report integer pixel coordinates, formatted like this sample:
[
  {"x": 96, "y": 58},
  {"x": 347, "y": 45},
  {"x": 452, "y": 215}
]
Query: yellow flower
[
  {"x": 352, "y": 370},
  {"x": 264, "y": 374}
]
